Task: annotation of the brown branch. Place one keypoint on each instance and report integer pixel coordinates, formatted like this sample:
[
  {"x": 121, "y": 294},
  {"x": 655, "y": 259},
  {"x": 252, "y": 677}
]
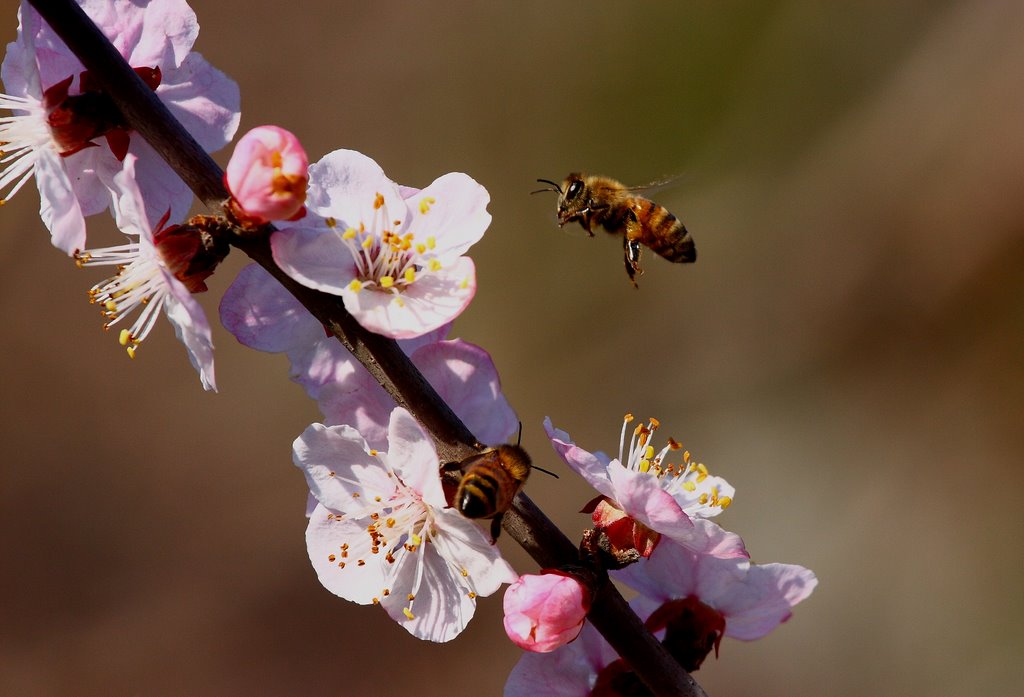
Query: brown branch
[{"x": 525, "y": 523}]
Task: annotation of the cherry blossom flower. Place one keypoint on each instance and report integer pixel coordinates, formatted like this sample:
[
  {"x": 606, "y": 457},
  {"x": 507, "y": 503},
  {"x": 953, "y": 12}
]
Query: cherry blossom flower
[
  {"x": 394, "y": 254},
  {"x": 68, "y": 133},
  {"x": 644, "y": 496},
  {"x": 263, "y": 315},
  {"x": 267, "y": 176},
  {"x": 695, "y": 599},
  {"x": 690, "y": 601},
  {"x": 545, "y": 611},
  {"x": 382, "y": 534},
  {"x": 145, "y": 280}
]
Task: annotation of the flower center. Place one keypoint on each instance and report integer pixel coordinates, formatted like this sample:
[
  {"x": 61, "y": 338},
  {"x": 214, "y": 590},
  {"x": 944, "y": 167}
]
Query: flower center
[
  {"x": 687, "y": 476},
  {"x": 139, "y": 282},
  {"x": 76, "y": 120},
  {"x": 385, "y": 259},
  {"x": 692, "y": 629}
]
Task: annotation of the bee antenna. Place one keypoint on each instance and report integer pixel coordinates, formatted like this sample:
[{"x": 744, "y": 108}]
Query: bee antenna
[
  {"x": 545, "y": 471},
  {"x": 554, "y": 187},
  {"x": 519, "y": 438}
]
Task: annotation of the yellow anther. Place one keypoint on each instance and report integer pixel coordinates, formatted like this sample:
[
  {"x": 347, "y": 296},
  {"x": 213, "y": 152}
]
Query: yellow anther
[
  {"x": 434, "y": 265},
  {"x": 378, "y": 201},
  {"x": 355, "y": 286},
  {"x": 686, "y": 457},
  {"x": 431, "y": 242},
  {"x": 410, "y": 275},
  {"x": 416, "y": 540},
  {"x": 131, "y": 351},
  {"x": 420, "y": 248},
  {"x": 111, "y": 306},
  {"x": 627, "y": 418},
  {"x": 125, "y": 337},
  {"x": 350, "y": 233},
  {"x": 408, "y": 613},
  {"x": 398, "y": 301},
  {"x": 689, "y": 486},
  {"x": 367, "y": 243},
  {"x": 373, "y": 453},
  {"x": 387, "y": 281},
  {"x": 645, "y": 465},
  {"x": 702, "y": 468},
  {"x": 331, "y": 222},
  {"x": 465, "y": 284},
  {"x": 425, "y": 203},
  {"x": 649, "y": 452},
  {"x": 654, "y": 423}
]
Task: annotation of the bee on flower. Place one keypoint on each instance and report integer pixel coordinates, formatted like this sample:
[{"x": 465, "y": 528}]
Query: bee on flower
[{"x": 382, "y": 532}]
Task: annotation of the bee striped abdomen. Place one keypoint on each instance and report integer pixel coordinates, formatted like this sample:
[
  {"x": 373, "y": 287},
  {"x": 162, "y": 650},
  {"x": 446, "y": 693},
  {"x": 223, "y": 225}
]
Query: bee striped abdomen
[
  {"x": 481, "y": 493},
  {"x": 663, "y": 233}
]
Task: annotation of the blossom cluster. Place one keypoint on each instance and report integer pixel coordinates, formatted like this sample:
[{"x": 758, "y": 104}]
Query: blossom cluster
[{"x": 382, "y": 527}]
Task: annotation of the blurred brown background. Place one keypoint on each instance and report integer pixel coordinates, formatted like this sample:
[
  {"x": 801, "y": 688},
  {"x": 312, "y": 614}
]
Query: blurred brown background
[{"x": 848, "y": 351}]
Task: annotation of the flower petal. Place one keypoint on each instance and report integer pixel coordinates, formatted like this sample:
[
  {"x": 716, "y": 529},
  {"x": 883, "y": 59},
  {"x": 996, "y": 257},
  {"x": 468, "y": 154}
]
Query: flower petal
[
  {"x": 765, "y": 599},
  {"x": 465, "y": 544},
  {"x": 314, "y": 255},
  {"x": 344, "y": 185},
  {"x": 191, "y": 328},
  {"x": 264, "y": 316},
  {"x": 412, "y": 456},
  {"x": 453, "y": 210},
  {"x": 442, "y": 607},
  {"x": 335, "y": 547},
  {"x": 58, "y": 206},
  {"x": 339, "y": 471},
  {"x": 591, "y": 466},
  {"x": 465, "y": 376}
]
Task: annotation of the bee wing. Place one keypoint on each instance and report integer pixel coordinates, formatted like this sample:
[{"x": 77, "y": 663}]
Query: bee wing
[{"x": 658, "y": 184}]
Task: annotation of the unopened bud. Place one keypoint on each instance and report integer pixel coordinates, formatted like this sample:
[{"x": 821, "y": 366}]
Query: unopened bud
[
  {"x": 543, "y": 612},
  {"x": 267, "y": 176}
]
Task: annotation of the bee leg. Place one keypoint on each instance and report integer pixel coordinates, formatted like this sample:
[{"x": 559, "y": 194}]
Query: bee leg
[
  {"x": 496, "y": 526},
  {"x": 632, "y": 259},
  {"x": 584, "y": 221}
]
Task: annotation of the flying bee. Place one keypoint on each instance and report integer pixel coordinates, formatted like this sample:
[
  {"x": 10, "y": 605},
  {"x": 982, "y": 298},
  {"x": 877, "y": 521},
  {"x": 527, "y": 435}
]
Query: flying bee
[
  {"x": 491, "y": 480},
  {"x": 592, "y": 200}
]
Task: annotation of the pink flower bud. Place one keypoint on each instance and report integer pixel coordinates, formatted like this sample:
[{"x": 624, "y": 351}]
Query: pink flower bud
[
  {"x": 543, "y": 612},
  {"x": 267, "y": 176}
]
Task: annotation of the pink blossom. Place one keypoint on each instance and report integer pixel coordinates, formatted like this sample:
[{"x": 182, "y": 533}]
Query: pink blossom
[
  {"x": 67, "y": 132},
  {"x": 670, "y": 499},
  {"x": 383, "y": 534},
  {"x": 545, "y": 611},
  {"x": 689, "y": 601},
  {"x": 267, "y": 176},
  {"x": 394, "y": 254},
  {"x": 752, "y": 599},
  {"x": 263, "y": 315},
  {"x": 145, "y": 282}
]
